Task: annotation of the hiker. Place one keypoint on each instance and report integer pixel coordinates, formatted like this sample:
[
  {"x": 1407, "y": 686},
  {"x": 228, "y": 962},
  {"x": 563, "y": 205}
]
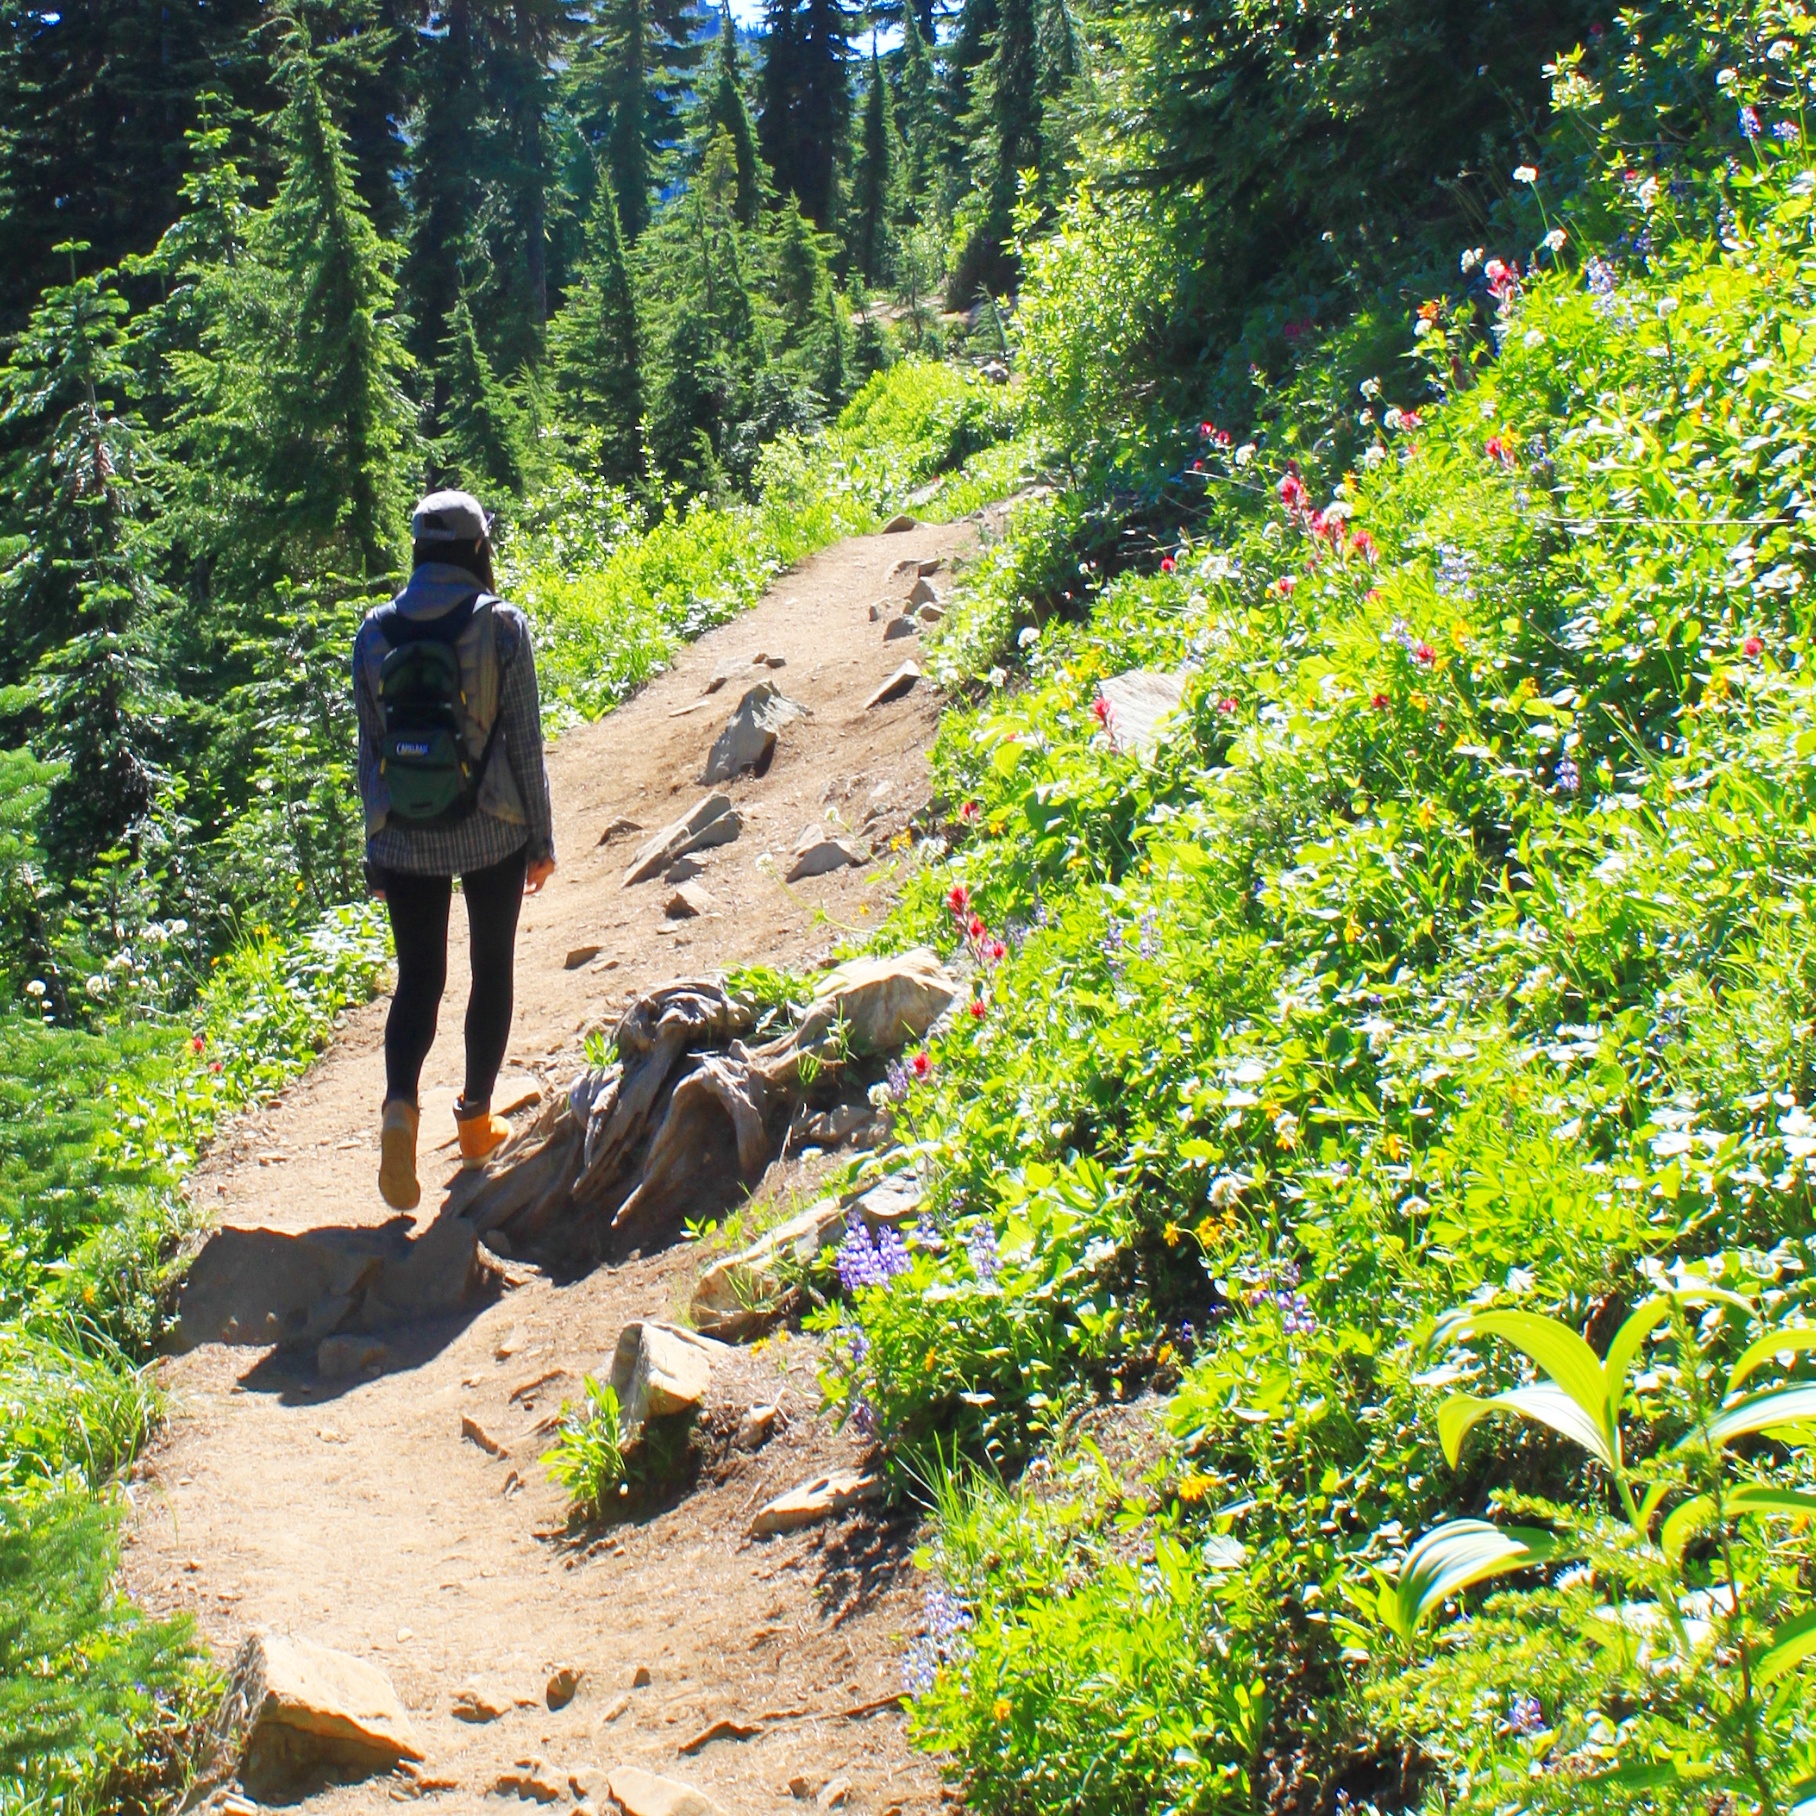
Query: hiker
[{"x": 452, "y": 779}]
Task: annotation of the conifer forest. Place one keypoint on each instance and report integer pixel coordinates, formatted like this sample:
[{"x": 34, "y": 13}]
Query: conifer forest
[{"x": 1391, "y": 1091}]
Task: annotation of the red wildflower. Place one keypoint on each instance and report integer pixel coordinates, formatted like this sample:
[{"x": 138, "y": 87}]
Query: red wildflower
[
  {"x": 1497, "y": 449},
  {"x": 970, "y": 811},
  {"x": 996, "y": 952},
  {"x": 1363, "y": 544},
  {"x": 1207, "y": 431},
  {"x": 1424, "y": 654},
  {"x": 1198, "y": 466},
  {"x": 975, "y": 927},
  {"x": 1378, "y": 702},
  {"x": 196, "y": 1043},
  {"x": 1409, "y": 419},
  {"x": 1292, "y": 492},
  {"x": 1373, "y": 593},
  {"x": 1285, "y": 584},
  {"x": 1167, "y": 564},
  {"x": 1101, "y": 707},
  {"x": 958, "y": 898},
  {"x": 977, "y": 1008},
  {"x": 1227, "y": 704},
  {"x": 1752, "y": 647},
  {"x": 214, "y": 1065},
  {"x": 921, "y": 1064}
]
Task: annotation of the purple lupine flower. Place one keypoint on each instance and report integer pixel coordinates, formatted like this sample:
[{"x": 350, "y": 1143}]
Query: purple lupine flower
[
  {"x": 1524, "y": 1715},
  {"x": 1785, "y": 133},
  {"x": 891, "y": 1253},
  {"x": 1749, "y": 123},
  {"x": 863, "y": 1418},
  {"x": 852, "y": 1335},
  {"x": 858, "y": 1262},
  {"x": 1567, "y": 776},
  {"x": 898, "y": 1081},
  {"x": 980, "y": 1245},
  {"x": 1297, "y": 1318},
  {"x": 1150, "y": 934}
]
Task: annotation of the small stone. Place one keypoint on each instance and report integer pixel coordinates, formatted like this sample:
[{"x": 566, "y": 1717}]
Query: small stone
[
  {"x": 481, "y": 1702},
  {"x": 744, "y": 1294},
  {"x": 581, "y": 955},
  {"x": 900, "y": 523},
  {"x": 891, "y": 1202},
  {"x": 619, "y": 829},
  {"x": 824, "y": 855},
  {"x": 645, "y": 1794},
  {"x": 749, "y": 738},
  {"x": 532, "y": 1780},
  {"x": 688, "y": 903},
  {"x": 683, "y": 870},
  {"x": 233, "y": 1804},
  {"x": 879, "y": 609},
  {"x": 802, "y": 1786},
  {"x": 726, "y": 1728},
  {"x": 931, "y": 614},
  {"x": 898, "y": 628},
  {"x": 817, "y": 1500},
  {"x": 922, "y": 593},
  {"x": 835, "y": 1794},
  {"x": 757, "y": 1427},
  {"x": 897, "y": 687},
  {"x": 659, "y": 1371},
  {"x": 712, "y": 821},
  {"x": 1140, "y": 708},
  {"x": 614, "y": 1708},
  {"x": 475, "y": 1433},
  {"x": 641, "y": 1678},
  {"x": 563, "y": 1686},
  {"x": 341, "y": 1357}
]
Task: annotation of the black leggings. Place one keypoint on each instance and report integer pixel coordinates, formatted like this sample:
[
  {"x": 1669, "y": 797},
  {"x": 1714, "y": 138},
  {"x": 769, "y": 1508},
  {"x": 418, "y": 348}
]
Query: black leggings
[{"x": 419, "y": 928}]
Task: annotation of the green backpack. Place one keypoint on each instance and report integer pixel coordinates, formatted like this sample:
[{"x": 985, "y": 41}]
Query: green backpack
[{"x": 431, "y": 777}]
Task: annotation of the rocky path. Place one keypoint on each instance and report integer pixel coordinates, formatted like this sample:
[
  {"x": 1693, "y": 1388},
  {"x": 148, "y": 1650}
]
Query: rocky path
[{"x": 353, "y": 1512}]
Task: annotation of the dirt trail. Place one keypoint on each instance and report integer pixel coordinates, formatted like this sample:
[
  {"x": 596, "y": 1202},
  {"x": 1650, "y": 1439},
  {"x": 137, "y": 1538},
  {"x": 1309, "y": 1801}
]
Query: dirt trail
[{"x": 355, "y": 1513}]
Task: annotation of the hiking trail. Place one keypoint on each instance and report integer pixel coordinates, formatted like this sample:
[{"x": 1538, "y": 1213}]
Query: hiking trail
[{"x": 355, "y": 1513}]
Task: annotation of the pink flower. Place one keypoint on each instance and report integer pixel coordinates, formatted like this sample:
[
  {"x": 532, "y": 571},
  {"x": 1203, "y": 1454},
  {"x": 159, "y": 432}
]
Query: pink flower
[
  {"x": 1292, "y": 492},
  {"x": 921, "y": 1065},
  {"x": 1378, "y": 702},
  {"x": 1373, "y": 593},
  {"x": 1363, "y": 544},
  {"x": 1227, "y": 704},
  {"x": 977, "y": 1008},
  {"x": 1497, "y": 449},
  {"x": 997, "y": 952},
  {"x": 1752, "y": 647},
  {"x": 1424, "y": 654},
  {"x": 975, "y": 927},
  {"x": 971, "y": 810},
  {"x": 1101, "y": 708},
  {"x": 214, "y": 1065},
  {"x": 958, "y": 898},
  {"x": 1167, "y": 564},
  {"x": 1285, "y": 584},
  {"x": 197, "y": 1042}
]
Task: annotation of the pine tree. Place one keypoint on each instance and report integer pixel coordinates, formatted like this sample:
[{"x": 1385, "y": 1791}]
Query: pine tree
[
  {"x": 965, "y": 58},
  {"x": 595, "y": 345},
  {"x": 728, "y": 113},
  {"x": 833, "y": 385},
  {"x": 483, "y": 440},
  {"x": 1005, "y": 121},
  {"x": 806, "y": 101},
  {"x": 918, "y": 114},
  {"x": 867, "y": 234},
  {"x": 72, "y": 607}
]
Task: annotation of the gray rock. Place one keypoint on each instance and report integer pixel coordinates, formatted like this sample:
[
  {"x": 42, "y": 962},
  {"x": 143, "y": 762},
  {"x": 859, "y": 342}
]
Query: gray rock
[
  {"x": 683, "y": 870},
  {"x": 883, "y": 1002},
  {"x": 712, "y": 821},
  {"x": 641, "y": 1793},
  {"x": 900, "y": 523},
  {"x": 580, "y": 955},
  {"x": 897, "y": 687},
  {"x": 930, "y": 614},
  {"x": 823, "y": 855},
  {"x": 817, "y": 1500},
  {"x": 659, "y": 1370},
  {"x": 757, "y": 1427},
  {"x": 1141, "y": 703},
  {"x": 890, "y": 1202},
  {"x": 903, "y": 626},
  {"x": 749, "y": 740},
  {"x": 921, "y": 593},
  {"x": 688, "y": 901}
]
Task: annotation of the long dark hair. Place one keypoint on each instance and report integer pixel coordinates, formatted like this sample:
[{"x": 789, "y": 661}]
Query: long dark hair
[{"x": 475, "y": 557}]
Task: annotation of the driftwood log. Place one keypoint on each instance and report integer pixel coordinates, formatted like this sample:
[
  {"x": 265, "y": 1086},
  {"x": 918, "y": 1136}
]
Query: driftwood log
[{"x": 689, "y": 1118}]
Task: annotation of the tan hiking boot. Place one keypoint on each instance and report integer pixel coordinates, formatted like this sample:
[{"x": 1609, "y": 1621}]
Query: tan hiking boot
[
  {"x": 397, "y": 1182},
  {"x": 481, "y": 1136}
]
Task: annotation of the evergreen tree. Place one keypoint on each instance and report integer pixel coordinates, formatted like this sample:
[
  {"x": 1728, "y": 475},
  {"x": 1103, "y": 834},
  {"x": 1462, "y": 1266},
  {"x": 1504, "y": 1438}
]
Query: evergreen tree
[
  {"x": 867, "y": 233},
  {"x": 918, "y": 114},
  {"x": 298, "y": 446},
  {"x": 596, "y": 345},
  {"x": 833, "y": 385},
  {"x": 728, "y": 113},
  {"x": 965, "y": 57},
  {"x": 72, "y": 605},
  {"x": 483, "y": 442},
  {"x": 1005, "y": 121},
  {"x": 806, "y": 101}
]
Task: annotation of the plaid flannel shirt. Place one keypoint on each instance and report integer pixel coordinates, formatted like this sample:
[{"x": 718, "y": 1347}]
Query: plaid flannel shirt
[{"x": 481, "y": 839}]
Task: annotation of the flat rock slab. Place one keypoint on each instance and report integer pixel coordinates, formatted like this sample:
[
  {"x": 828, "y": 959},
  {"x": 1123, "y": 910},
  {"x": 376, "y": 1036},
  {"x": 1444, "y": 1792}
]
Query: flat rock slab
[
  {"x": 817, "y": 1500},
  {"x": 820, "y": 855},
  {"x": 641, "y": 1793},
  {"x": 749, "y": 739},
  {"x": 897, "y": 628},
  {"x": 883, "y": 1002},
  {"x": 1140, "y": 703},
  {"x": 580, "y": 955},
  {"x": 688, "y": 902},
  {"x": 897, "y": 687},
  {"x": 899, "y": 523},
  {"x": 659, "y": 1370},
  {"x": 891, "y": 1202},
  {"x": 305, "y": 1707},
  {"x": 710, "y": 822},
  {"x": 743, "y": 1295}
]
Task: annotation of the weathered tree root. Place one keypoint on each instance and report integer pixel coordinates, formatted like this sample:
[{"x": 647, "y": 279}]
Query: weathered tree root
[{"x": 688, "y": 1119}]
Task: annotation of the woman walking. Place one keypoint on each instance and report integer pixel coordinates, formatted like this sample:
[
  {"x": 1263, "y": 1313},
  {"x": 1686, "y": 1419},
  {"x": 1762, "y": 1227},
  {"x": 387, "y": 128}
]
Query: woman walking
[{"x": 453, "y": 783}]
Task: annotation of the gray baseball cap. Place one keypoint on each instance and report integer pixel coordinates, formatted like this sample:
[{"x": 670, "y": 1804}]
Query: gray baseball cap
[{"x": 450, "y": 517}]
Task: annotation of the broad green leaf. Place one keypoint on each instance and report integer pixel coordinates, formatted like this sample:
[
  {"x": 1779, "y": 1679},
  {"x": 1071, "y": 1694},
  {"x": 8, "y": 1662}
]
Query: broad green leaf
[
  {"x": 1451, "y": 1557},
  {"x": 1572, "y": 1365},
  {"x": 1683, "y": 1523},
  {"x": 1761, "y": 1412},
  {"x": 1635, "y": 1328},
  {"x": 1791, "y": 1644},
  {"x": 1768, "y": 1348},
  {"x": 1547, "y": 1403}
]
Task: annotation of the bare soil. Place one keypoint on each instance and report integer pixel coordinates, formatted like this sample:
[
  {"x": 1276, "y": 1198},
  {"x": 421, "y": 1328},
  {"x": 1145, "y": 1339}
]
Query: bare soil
[{"x": 358, "y": 1515}]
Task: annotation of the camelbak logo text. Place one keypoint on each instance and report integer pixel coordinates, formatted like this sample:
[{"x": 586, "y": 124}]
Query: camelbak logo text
[{"x": 410, "y": 748}]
